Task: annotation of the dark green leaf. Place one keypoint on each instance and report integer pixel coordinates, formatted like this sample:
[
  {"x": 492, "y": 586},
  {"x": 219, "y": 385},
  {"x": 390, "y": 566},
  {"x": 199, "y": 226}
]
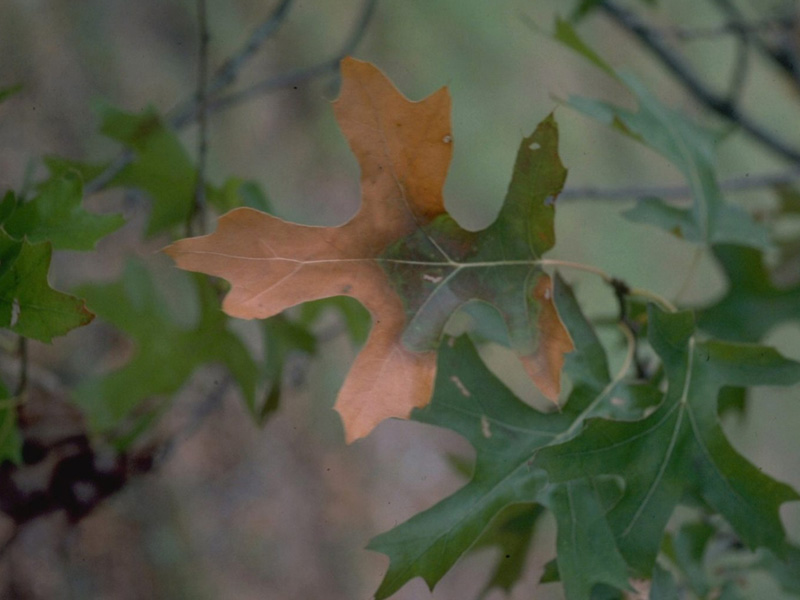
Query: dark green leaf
[
  {"x": 56, "y": 215},
  {"x": 28, "y": 305},
  {"x": 587, "y": 552},
  {"x": 166, "y": 353},
  {"x": 753, "y": 304},
  {"x": 681, "y": 448},
  {"x": 506, "y": 433}
]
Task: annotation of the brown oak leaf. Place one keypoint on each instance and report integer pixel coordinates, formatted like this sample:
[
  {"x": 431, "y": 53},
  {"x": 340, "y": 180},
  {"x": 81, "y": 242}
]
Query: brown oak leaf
[{"x": 404, "y": 150}]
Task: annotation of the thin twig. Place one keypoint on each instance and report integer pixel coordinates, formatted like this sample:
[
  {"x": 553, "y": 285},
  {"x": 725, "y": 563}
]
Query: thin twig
[
  {"x": 299, "y": 76},
  {"x": 743, "y": 36},
  {"x": 777, "y": 54},
  {"x": 195, "y": 420},
  {"x": 198, "y": 208},
  {"x": 744, "y": 183},
  {"x": 187, "y": 112},
  {"x": 731, "y": 27},
  {"x": 693, "y": 83},
  {"x": 22, "y": 382},
  {"x": 228, "y": 72}
]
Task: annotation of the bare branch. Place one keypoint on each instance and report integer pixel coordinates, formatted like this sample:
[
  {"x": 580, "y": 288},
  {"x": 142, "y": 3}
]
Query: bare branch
[
  {"x": 198, "y": 207},
  {"x": 187, "y": 112},
  {"x": 690, "y": 80},
  {"x": 731, "y": 27},
  {"x": 299, "y": 76},
  {"x": 736, "y": 184},
  {"x": 227, "y": 74},
  {"x": 783, "y": 56}
]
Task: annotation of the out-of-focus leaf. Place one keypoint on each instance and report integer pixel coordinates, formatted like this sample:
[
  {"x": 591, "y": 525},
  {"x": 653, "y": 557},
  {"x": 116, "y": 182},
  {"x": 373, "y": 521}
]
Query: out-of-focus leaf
[
  {"x": 789, "y": 198},
  {"x": 60, "y": 167},
  {"x": 690, "y": 543},
  {"x": 356, "y": 318},
  {"x": 566, "y": 34},
  {"x": 10, "y": 438},
  {"x": 689, "y": 147},
  {"x": 662, "y": 585},
  {"x": 166, "y": 353},
  {"x": 511, "y": 532},
  {"x": 7, "y": 92},
  {"x": 282, "y": 337},
  {"x": 680, "y": 449},
  {"x": 753, "y": 304},
  {"x": 55, "y": 215},
  {"x": 28, "y": 305},
  {"x": 586, "y": 7},
  {"x": 162, "y": 168},
  {"x": 785, "y": 570},
  {"x": 235, "y": 193}
]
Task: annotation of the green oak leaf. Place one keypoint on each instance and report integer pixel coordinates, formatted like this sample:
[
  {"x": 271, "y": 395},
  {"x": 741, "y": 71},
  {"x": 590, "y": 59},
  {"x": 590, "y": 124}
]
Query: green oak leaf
[
  {"x": 680, "y": 449},
  {"x": 587, "y": 553},
  {"x": 689, "y": 147},
  {"x": 441, "y": 266},
  {"x": 506, "y": 434},
  {"x": 28, "y": 305},
  {"x": 55, "y": 215},
  {"x": 166, "y": 353},
  {"x": 753, "y": 304},
  {"x": 162, "y": 168}
]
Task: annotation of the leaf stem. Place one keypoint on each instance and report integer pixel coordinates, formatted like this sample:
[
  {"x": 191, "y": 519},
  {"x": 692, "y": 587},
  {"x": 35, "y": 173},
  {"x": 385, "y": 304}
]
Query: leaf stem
[
  {"x": 552, "y": 262},
  {"x": 658, "y": 299}
]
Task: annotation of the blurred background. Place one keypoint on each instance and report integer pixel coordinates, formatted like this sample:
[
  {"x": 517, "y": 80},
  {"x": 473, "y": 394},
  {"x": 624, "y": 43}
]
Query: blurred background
[{"x": 284, "y": 511}]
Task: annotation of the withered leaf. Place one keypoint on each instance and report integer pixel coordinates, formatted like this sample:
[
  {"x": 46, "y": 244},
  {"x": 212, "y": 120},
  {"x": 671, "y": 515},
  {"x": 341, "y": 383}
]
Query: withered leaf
[{"x": 402, "y": 256}]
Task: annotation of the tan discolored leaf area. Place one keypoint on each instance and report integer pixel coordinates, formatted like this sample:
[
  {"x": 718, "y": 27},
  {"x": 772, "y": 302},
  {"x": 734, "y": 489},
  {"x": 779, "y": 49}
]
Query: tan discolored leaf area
[{"x": 404, "y": 150}]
